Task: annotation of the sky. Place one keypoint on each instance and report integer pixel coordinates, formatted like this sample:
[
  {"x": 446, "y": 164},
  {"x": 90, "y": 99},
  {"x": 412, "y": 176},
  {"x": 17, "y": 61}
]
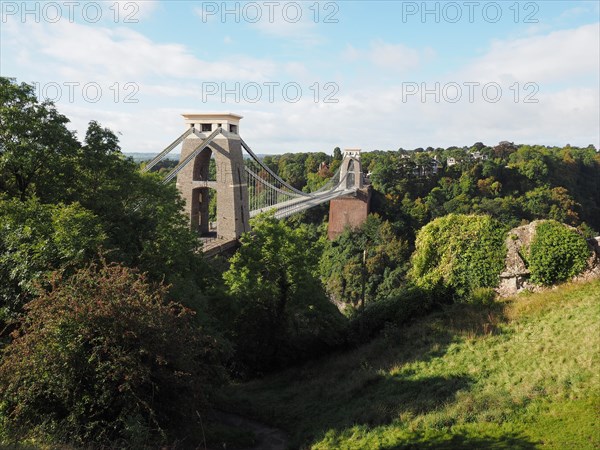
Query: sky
[{"x": 311, "y": 76}]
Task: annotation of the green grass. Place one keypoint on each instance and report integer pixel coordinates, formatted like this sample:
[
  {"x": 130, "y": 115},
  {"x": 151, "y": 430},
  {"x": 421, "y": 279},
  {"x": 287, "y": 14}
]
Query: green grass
[{"x": 523, "y": 373}]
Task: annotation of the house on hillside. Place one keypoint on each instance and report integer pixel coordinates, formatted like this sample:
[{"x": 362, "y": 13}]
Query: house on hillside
[{"x": 478, "y": 156}]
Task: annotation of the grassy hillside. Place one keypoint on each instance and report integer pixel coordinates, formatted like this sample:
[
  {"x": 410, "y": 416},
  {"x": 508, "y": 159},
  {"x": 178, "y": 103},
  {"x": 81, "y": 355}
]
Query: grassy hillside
[{"x": 521, "y": 374}]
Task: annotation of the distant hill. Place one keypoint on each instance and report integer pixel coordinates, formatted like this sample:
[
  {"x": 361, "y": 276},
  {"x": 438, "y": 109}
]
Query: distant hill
[{"x": 138, "y": 157}]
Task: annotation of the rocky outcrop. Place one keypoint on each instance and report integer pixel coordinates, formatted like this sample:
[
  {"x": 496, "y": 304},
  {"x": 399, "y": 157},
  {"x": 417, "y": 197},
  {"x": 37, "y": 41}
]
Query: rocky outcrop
[
  {"x": 515, "y": 277},
  {"x": 593, "y": 266}
]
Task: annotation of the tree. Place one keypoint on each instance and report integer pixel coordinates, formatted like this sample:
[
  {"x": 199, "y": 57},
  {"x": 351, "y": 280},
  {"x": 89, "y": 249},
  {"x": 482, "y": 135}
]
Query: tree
[
  {"x": 337, "y": 154},
  {"x": 36, "y": 149},
  {"x": 478, "y": 146},
  {"x": 36, "y": 240},
  {"x": 384, "y": 266},
  {"x": 140, "y": 218},
  {"x": 283, "y": 313},
  {"x": 107, "y": 359}
]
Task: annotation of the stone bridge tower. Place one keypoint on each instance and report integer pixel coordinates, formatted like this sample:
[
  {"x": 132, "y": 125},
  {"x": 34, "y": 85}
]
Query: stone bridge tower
[
  {"x": 351, "y": 169},
  {"x": 230, "y": 185},
  {"x": 349, "y": 211}
]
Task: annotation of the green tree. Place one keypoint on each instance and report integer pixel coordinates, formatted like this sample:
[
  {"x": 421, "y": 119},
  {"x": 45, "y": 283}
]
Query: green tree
[
  {"x": 337, "y": 154},
  {"x": 140, "y": 217},
  {"x": 36, "y": 149},
  {"x": 103, "y": 358},
  {"x": 284, "y": 314},
  {"x": 36, "y": 240},
  {"x": 373, "y": 248}
]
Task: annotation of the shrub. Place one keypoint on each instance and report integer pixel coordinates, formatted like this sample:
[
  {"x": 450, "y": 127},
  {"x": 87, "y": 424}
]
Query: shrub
[
  {"x": 556, "y": 253},
  {"x": 411, "y": 302},
  {"x": 100, "y": 358},
  {"x": 460, "y": 252}
]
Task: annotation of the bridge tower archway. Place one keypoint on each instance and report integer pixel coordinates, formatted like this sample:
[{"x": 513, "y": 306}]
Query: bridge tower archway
[
  {"x": 351, "y": 170},
  {"x": 230, "y": 185}
]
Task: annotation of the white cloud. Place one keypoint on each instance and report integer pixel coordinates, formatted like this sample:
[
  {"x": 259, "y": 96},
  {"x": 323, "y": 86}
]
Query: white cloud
[
  {"x": 585, "y": 9},
  {"x": 378, "y": 119},
  {"x": 376, "y": 116},
  {"x": 556, "y": 56},
  {"x": 83, "y": 52},
  {"x": 395, "y": 57},
  {"x": 398, "y": 57},
  {"x": 371, "y": 116}
]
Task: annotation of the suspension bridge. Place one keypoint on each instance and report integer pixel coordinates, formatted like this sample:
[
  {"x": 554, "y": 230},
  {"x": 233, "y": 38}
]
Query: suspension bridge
[{"x": 244, "y": 185}]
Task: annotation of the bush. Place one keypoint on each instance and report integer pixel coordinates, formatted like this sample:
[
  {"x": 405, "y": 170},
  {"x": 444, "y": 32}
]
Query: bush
[
  {"x": 460, "y": 252},
  {"x": 411, "y": 302},
  {"x": 556, "y": 254},
  {"x": 101, "y": 358}
]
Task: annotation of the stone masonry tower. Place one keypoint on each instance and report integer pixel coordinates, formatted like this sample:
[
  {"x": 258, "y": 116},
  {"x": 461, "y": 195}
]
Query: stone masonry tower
[
  {"x": 349, "y": 211},
  {"x": 351, "y": 169},
  {"x": 230, "y": 185}
]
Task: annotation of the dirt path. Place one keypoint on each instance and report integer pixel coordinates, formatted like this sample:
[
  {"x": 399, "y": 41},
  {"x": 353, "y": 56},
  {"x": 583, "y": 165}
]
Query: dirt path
[{"x": 268, "y": 438}]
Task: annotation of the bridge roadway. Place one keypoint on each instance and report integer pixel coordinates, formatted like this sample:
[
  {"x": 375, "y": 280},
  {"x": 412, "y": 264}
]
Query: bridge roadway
[
  {"x": 296, "y": 205},
  {"x": 212, "y": 245}
]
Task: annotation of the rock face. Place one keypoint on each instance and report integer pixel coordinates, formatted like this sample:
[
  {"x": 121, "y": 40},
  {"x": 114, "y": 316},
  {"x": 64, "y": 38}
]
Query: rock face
[
  {"x": 515, "y": 277},
  {"x": 593, "y": 267}
]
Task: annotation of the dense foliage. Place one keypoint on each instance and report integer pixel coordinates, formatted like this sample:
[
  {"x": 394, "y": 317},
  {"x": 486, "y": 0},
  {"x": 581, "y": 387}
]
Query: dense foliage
[
  {"x": 308, "y": 171},
  {"x": 37, "y": 239},
  {"x": 62, "y": 204},
  {"x": 282, "y": 312},
  {"x": 509, "y": 182},
  {"x": 103, "y": 357},
  {"x": 103, "y": 197},
  {"x": 556, "y": 254},
  {"x": 459, "y": 252},
  {"x": 373, "y": 257}
]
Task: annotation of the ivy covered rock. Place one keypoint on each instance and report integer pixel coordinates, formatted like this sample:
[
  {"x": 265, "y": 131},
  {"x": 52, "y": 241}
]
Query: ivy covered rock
[
  {"x": 543, "y": 252},
  {"x": 459, "y": 252}
]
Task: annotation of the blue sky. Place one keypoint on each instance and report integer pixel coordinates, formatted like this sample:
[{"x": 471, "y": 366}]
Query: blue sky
[{"x": 309, "y": 76}]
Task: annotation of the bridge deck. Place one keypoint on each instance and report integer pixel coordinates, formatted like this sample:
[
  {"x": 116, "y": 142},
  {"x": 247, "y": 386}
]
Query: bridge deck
[
  {"x": 212, "y": 246},
  {"x": 285, "y": 209}
]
